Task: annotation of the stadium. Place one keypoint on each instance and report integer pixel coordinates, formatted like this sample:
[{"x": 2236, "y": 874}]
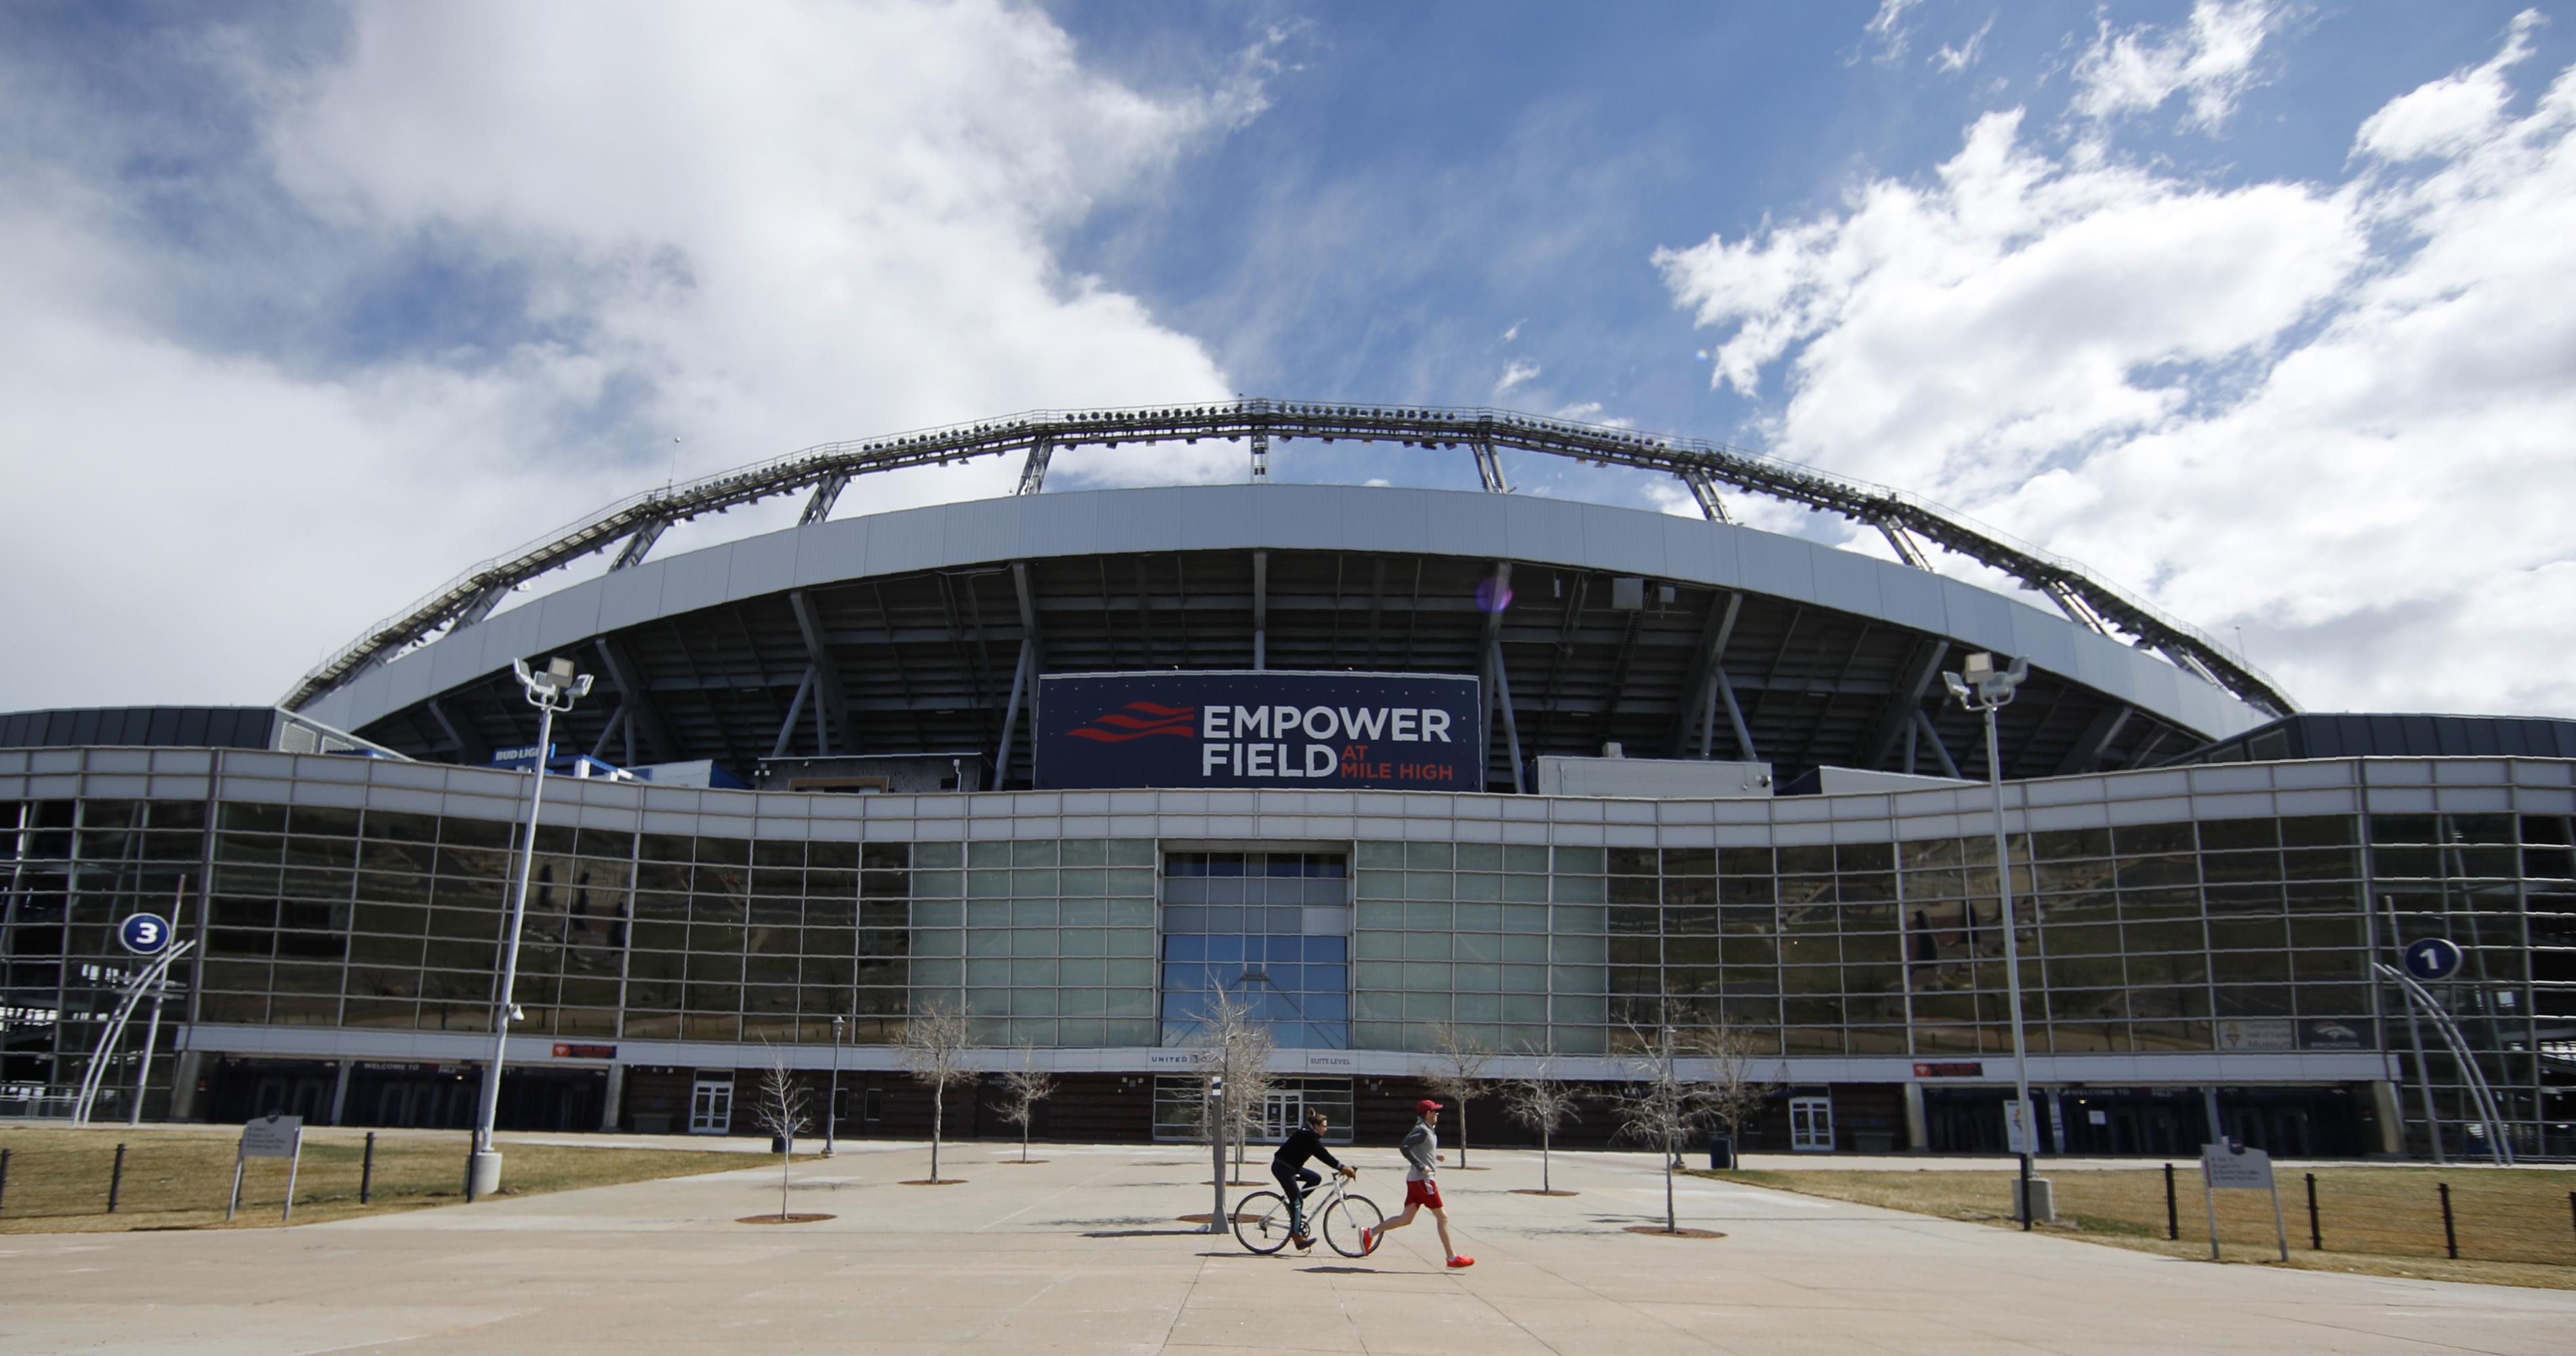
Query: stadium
[{"x": 1395, "y": 766}]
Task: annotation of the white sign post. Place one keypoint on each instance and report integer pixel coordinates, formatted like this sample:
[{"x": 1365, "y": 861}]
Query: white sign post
[
  {"x": 2233, "y": 1167},
  {"x": 270, "y": 1136}
]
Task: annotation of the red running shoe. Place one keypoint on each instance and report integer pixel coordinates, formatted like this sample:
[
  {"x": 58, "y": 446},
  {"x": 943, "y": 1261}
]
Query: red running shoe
[
  {"x": 1368, "y": 1241},
  {"x": 1461, "y": 1262}
]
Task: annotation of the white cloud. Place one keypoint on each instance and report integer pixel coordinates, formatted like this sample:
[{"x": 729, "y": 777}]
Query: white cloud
[
  {"x": 2335, "y": 415},
  {"x": 2211, "y": 61},
  {"x": 755, "y": 228},
  {"x": 1887, "y": 30},
  {"x": 1516, "y": 372},
  {"x": 1961, "y": 57}
]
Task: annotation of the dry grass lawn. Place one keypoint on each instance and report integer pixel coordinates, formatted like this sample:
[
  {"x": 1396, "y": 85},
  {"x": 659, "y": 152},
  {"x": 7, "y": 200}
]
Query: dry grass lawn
[
  {"x": 2515, "y": 1226},
  {"x": 178, "y": 1179}
]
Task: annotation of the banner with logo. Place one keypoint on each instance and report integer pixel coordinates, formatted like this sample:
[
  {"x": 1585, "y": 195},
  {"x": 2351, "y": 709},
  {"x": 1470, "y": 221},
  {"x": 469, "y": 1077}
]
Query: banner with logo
[{"x": 1386, "y": 731}]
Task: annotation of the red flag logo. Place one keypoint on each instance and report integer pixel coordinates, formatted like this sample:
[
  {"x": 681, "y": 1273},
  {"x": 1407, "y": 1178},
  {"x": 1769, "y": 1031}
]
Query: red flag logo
[{"x": 1154, "y": 720}]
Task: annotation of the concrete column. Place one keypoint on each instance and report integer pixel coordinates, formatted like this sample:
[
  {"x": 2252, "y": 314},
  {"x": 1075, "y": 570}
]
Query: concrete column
[
  {"x": 2209, "y": 1103},
  {"x": 340, "y": 1090},
  {"x": 1918, "y": 1135},
  {"x": 613, "y": 1105},
  {"x": 185, "y": 1069},
  {"x": 2392, "y": 1119},
  {"x": 2057, "y": 1118}
]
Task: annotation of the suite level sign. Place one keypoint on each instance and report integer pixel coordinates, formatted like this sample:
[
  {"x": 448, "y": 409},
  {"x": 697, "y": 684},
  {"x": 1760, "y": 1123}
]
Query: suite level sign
[{"x": 1392, "y": 731}]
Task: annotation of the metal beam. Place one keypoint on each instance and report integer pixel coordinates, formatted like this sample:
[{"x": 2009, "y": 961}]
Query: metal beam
[
  {"x": 1033, "y": 471},
  {"x": 1020, "y": 673},
  {"x": 639, "y": 542},
  {"x": 608, "y": 735},
  {"x": 1261, "y": 609},
  {"x": 480, "y": 605},
  {"x": 1907, "y": 549},
  {"x": 795, "y": 711},
  {"x": 1698, "y": 700},
  {"x": 1908, "y": 700},
  {"x": 470, "y": 747},
  {"x": 1503, "y": 702},
  {"x": 1706, "y": 465},
  {"x": 1489, "y": 469},
  {"x": 1735, "y": 715},
  {"x": 1932, "y": 732},
  {"x": 827, "y": 492},
  {"x": 833, "y": 703},
  {"x": 637, "y": 700},
  {"x": 2086, "y": 753},
  {"x": 1703, "y": 488}
]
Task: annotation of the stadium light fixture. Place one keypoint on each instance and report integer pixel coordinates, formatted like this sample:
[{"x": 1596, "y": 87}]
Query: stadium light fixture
[
  {"x": 552, "y": 690},
  {"x": 1981, "y": 687}
]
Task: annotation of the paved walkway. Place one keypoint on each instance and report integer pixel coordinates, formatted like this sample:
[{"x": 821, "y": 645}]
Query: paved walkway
[{"x": 1083, "y": 1254}]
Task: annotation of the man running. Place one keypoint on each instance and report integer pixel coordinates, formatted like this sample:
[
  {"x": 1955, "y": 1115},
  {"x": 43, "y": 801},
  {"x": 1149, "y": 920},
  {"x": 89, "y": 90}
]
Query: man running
[
  {"x": 1421, "y": 1150},
  {"x": 1295, "y": 1179}
]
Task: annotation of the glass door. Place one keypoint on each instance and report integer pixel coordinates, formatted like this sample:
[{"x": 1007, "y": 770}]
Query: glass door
[
  {"x": 1811, "y": 1124},
  {"x": 711, "y": 1105}
]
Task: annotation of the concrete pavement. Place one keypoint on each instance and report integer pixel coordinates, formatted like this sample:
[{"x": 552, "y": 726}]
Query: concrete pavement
[{"x": 1083, "y": 1254}]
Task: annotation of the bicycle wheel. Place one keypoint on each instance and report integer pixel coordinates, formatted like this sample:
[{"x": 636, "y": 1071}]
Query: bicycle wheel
[
  {"x": 1345, "y": 1219},
  {"x": 1261, "y": 1221}
]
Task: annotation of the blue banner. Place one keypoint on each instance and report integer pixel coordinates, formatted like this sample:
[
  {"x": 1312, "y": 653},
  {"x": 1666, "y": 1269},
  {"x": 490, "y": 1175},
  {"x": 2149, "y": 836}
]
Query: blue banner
[{"x": 1316, "y": 731}]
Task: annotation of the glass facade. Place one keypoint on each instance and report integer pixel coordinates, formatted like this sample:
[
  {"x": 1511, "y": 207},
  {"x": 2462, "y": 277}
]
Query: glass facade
[
  {"x": 1271, "y": 930},
  {"x": 2231, "y": 935}
]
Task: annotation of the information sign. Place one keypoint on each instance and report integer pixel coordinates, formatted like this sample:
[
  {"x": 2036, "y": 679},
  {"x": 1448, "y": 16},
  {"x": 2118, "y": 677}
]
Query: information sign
[
  {"x": 2233, "y": 1167},
  {"x": 144, "y": 934},
  {"x": 2432, "y": 958},
  {"x": 2021, "y": 1129},
  {"x": 270, "y": 1136}
]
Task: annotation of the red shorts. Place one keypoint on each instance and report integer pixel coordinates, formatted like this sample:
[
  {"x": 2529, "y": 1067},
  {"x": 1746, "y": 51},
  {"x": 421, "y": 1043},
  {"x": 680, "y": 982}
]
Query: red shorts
[{"x": 1424, "y": 1192}]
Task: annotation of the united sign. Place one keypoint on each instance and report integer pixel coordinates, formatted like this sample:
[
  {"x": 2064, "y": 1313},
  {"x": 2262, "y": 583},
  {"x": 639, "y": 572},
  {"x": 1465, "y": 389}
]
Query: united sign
[{"x": 1407, "y": 731}]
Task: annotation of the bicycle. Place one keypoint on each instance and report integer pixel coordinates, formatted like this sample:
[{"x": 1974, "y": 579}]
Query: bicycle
[{"x": 1261, "y": 1219}]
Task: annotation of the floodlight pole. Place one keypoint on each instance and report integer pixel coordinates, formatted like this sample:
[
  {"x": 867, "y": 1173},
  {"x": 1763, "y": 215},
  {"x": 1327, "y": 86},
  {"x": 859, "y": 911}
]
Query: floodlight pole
[
  {"x": 832, "y": 1100},
  {"x": 550, "y": 690},
  {"x": 1983, "y": 688}
]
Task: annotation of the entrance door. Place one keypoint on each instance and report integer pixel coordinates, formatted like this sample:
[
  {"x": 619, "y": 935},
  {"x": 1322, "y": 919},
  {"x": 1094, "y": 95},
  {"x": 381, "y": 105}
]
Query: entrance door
[
  {"x": 711, "y": 1104},
  {"x": 1281, "y": 1114},
  {"x": 1811, "y": 1124}
]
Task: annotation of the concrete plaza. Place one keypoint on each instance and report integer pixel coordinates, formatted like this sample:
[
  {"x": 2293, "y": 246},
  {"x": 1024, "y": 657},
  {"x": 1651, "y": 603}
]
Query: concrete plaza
[{"x": 1084, "y": 1253}]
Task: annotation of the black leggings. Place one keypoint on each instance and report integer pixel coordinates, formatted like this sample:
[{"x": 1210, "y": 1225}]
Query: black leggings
[{"x": 1294, "y": 1183}]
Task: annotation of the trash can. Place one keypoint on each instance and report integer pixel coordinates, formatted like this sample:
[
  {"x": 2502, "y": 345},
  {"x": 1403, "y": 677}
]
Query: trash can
[{"x": 1721, "y": 1153}]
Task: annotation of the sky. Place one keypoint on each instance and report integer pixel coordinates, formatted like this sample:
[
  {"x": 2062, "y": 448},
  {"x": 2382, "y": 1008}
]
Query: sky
[{"x": 2264, "y": 311}]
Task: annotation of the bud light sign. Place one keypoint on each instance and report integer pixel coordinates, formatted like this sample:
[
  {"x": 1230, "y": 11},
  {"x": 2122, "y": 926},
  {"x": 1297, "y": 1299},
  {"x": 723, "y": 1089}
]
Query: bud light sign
[{"x": 1387, "y": 731}]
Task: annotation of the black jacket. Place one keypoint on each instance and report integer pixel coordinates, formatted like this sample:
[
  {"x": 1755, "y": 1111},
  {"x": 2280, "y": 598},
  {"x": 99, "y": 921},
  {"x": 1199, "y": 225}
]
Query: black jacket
[{"x": 1301, "y": 1146}]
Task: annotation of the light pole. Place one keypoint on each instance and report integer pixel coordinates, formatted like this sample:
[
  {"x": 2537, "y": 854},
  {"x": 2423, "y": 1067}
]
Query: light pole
[
  {"x": 1980, "y": 687},
  {"x": 832, "y": 1101},
  {"x": 551, "y": 689}
]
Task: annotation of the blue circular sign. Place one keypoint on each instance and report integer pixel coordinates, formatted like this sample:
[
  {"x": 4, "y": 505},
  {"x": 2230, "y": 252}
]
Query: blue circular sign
[
  {"x": 2432, "y": 958},
  {"x": 144, "y": 934}
]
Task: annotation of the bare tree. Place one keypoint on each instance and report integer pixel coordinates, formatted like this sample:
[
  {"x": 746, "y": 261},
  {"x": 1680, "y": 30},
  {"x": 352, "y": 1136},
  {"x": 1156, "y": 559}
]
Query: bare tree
[
  {"x": 933, "y": 1048},
  {"x": 1543, "y": 1102},
  {"x": 1735, "y": 1091},
  {"x": 1457, "y": 1071},
  {"x": 1666, "y": 1104},
  {"x": 1025, "y": 1085},
  {"x": 783, "y": 1111},
  {"x": 1235, "y": 1047}
]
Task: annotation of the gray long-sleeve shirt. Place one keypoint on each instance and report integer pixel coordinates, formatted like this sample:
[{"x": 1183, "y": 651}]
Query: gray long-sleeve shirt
[{"x": 1421, "y": 1150}]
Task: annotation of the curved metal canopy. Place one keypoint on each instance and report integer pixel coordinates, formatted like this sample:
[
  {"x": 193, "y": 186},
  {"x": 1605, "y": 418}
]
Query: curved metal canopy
[{"x": 1704, "y": 466}]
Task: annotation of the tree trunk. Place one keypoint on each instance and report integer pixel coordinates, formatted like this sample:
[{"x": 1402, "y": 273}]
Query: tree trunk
[
  {"x": 1672, "y": 1222},
  {"x": 783, "y": 1160},
  {"x": 1024, "y": 1135},
  {"x": 1462, "y": 1132},
  {"x": 1546, "y": 1182},
  {"x": 937, "y": 1107}
]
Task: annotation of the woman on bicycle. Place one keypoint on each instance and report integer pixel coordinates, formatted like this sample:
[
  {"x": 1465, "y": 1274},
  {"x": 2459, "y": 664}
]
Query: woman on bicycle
[{"x": 1296, "y": 1179}]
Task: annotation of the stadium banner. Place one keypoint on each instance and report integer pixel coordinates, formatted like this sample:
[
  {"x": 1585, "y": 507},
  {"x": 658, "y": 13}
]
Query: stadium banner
[{"x": 1392, "y": 731}]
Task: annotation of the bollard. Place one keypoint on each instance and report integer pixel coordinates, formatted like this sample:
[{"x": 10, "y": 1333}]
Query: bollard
[
  {"x": 2316, "y": 1237},
  {"x": 367, "y": 1169},
  {"x": 2450, "y": 1235},
  {"x": 2173, "y": 1218},
  {"x": 116, "y": 1179},
  {"x": 2571, "y": 1196},
  {"x": 4, "y": 1182}
]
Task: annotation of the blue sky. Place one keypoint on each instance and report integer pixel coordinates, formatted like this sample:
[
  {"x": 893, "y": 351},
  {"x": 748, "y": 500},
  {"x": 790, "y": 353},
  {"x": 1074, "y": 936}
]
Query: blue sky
[{"x": 2258, "y": 308}]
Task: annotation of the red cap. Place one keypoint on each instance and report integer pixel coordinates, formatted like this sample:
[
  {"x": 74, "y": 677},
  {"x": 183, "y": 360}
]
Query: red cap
[{"x": 1426, "y": 1106}]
